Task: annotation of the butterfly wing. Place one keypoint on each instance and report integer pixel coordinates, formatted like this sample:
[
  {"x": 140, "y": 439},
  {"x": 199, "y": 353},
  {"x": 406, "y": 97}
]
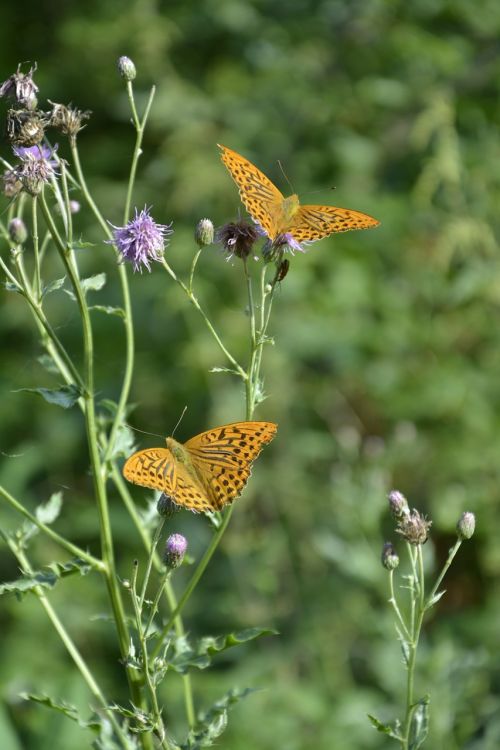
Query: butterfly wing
[
  {"x": 157, "y": 469},
  {"x": 315, "y": 222},
  {"x": 262, "y": 199},
  {"x": 222, "y": 457}
]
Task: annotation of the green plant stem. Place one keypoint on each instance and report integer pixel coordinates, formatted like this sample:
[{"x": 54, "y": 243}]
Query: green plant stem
[
  {"x": 200, "y": 569},
  {"x": 169, "y": 590},
  {"x": 141, "y": 634},
  {"x": 34, "y": 229},
  {"x": 149, "y": 565},
  {"x": 139, "y": 129},
  {"x": 67, "y": 545},
  {"x": 418, "y": 612},
  {"x": 453, "y": 551},
  {"x": 127, "y": 306},
  {"x": 393, "y": 602},
  {"x": 71, "y": 648},
  {"x": 97, "y": 468},
  {"x": 194, "y": 301}
]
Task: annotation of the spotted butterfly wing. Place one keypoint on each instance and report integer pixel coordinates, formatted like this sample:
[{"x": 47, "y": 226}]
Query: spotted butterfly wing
[
  {"x": 279, "y": 215},
  {"x": 261, "y": 197},
  {"x": 206, "y": 473}
]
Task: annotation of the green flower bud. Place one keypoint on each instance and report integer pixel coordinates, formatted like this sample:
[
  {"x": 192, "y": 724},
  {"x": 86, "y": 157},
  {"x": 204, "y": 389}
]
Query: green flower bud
[
  {"x": 126, "y": 68},
  {"x": 466, "y": 525},
  {"x": 389, "y": 557},
  {"x": 204, "y": 232},
  {"x": 17, "y": 231}
]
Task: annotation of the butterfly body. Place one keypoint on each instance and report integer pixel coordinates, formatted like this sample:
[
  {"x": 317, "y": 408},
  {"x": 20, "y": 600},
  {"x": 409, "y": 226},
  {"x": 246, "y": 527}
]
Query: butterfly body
[
  {"x": 278, "y": 215},
  {"x": 208, "y": 471}
]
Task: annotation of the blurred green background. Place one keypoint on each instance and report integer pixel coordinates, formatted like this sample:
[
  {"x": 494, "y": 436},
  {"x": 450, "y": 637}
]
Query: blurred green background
[{"x": 385, "y": 371}]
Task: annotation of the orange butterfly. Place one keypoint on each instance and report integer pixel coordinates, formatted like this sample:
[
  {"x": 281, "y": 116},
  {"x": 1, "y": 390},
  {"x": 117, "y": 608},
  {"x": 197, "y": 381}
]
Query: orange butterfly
[
  {"x": 206, "y": 473},
  {"x": 278, "y": 215}
]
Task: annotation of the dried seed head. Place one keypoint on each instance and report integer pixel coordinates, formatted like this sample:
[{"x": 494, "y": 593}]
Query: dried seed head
[
  {"x": 68, "y": 120},
  {"x": 25, "y": 127},
  {"x": 237, "y": 238},
  {"x": 414, "y": 527}
]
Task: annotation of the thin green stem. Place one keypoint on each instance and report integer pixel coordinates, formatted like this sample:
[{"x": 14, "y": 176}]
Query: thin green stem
[
  {"x": 71, "y": 648},
  {"x": 453, "y": 551},
  {"x": 418, "y": 612},
  {"x": 393, "y": 602},
  {"x": 149, "y": 565},
  {"x": 73, "y": 549},
  {"x": 141, "y": 634},
  {"x": 237, "y": 368},
  {"x": 34, "y": 230},
  {"x": 200, "y": 569},
  {"x": 97, "y": 468},
  {"x": 139, "y": 127}
]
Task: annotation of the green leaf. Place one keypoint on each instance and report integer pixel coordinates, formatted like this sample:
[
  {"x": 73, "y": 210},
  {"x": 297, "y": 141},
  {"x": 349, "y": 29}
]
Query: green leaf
[
  {"x": 214, "y": 721},
  {"x": 49, "y": 511},
  {"x": 64, "y": 708},
  {"x": 11, "y": 287},
  {"x": 384, "y": 728},
  {"x": 93, "y": 283},
  {"x": 53, "y": 286},
  {"x": 120, "y": 312},
  {"x": 419, "y": 726},
  {"x": 65, "y": 396},
  {"x": 200, "y": 657},
  {"x": 47, "y": 577}
]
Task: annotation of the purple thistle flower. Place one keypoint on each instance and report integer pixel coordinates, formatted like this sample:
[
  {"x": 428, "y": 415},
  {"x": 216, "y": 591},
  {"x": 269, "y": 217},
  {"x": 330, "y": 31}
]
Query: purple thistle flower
[
  {"x": 41, "y": 151},
  {"x": 280, "y": 245},
  {"x": 174, "y": 551},
  {"x": 36, "y": 167},
  {"x": 141, "y": 240}
]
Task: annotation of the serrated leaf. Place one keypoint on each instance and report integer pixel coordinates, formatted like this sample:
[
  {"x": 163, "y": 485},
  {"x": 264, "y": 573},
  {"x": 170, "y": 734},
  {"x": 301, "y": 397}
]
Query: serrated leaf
[
  {"x": 140, "y": 721},
  {"x": 211, "y": 724},
  {"x": 65, "y": 396},
  {"x": 48, "y": 363},
  {"x": 200, "y": 657},
  {"x": 64, "y": 708},
  {"x": 53, "y": 286},
  {"x": 93, "y": 283},
  {"x": 120, "y": 312},
  {"x": 47, "y": 577},
  {"x": 419, "y": 726}
]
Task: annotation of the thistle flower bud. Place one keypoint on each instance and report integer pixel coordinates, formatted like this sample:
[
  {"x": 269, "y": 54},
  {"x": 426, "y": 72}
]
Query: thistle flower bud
[
  {"x": 175, "y": 549},
  {"x": 414, "y": 527},
  {"x": 237, "y": 238},
  {"x": 126, "y": 68},
  {"x": 466, "y": 525},
  {"x": 398, "y": 504},
  {"x": 24, "y": 127},
  {"x": 389, "y": 557},
  {"x": 166, "y": 506},
  {"x": 17, "y": 231},
  {"x": 12, "y": 185},
  {"x": 204, "y": 233}
]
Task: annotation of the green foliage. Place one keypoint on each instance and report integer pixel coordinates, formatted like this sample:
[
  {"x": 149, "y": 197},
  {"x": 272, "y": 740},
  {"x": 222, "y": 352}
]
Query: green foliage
[{"x": 384, "y": 373}]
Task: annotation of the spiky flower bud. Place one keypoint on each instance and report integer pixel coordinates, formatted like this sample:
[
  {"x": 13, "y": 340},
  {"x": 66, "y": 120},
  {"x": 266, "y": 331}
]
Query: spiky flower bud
[
  {"x": 398, "y": 504},
  {"x": 24, "y": 127},
  {"x": 175, "y": 549},
  {"x": 466, "y": 525},
  {"x": 204, "y": 233},
  {"x": 237, "y": 238},
  {"x": 126, "y": 68},
  {"x": 166, "y": 506},
  {"x": 389, "y": 557},
  {"x": 17, "y": 231},
  {"x": 68, "y": 120},
  {"x": 12, "y": 185},
  {"x": 414, "y": 527}
]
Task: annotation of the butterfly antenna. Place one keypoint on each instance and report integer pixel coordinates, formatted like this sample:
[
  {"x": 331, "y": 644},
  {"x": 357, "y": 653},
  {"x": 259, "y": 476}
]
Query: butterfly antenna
[
  {"x": 179, "y": 420},
  {"x": 136, "y": 429},
  {"x": 280, "y": 165}
]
